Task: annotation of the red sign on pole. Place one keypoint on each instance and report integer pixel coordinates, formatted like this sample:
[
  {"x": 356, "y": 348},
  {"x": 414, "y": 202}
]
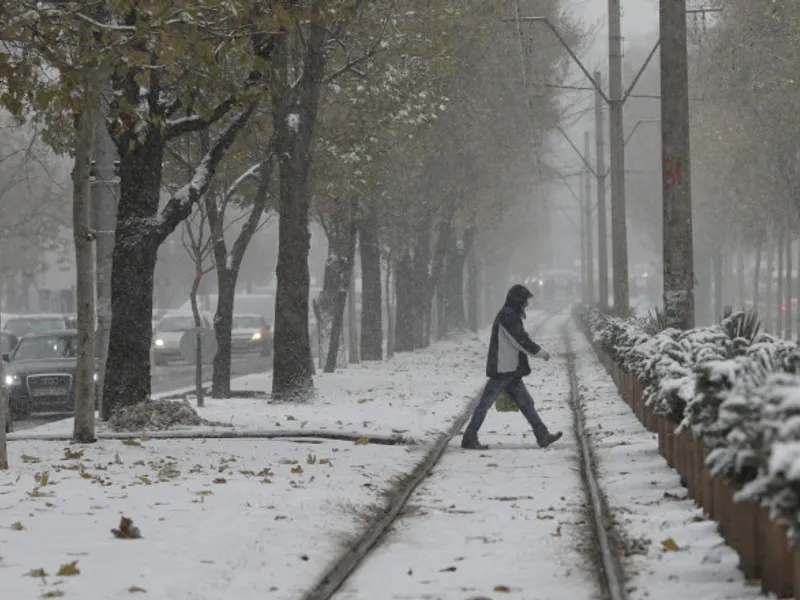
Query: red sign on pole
[{"x": 673, "y": 172}]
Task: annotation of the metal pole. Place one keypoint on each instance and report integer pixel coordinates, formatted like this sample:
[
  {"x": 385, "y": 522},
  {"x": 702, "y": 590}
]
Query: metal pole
[
  {"x": 587, "y": 211},
  {"x": 104, "y": 209},
  {"x": 676, "y": 172},
  {"x": 600, "y": 170},
  {"x": 619, "y": 239}
]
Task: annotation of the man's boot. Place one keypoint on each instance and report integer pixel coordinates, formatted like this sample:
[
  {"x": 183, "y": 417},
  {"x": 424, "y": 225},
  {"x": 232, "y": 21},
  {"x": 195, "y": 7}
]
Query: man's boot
[
  {"x": 551, "y": 437},
  {"x": 472, "y": 444}
]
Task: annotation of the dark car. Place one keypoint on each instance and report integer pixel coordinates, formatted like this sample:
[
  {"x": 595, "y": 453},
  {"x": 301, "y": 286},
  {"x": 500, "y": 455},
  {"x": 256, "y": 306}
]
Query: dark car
[
  {"x": 20, "y": 325},
  {"x": 8, "y": 341},
  {"x": 40, "y": 374}
]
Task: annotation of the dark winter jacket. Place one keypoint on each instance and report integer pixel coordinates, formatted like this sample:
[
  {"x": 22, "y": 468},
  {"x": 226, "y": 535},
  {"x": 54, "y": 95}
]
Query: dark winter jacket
[{"x": 510, "y": 345}]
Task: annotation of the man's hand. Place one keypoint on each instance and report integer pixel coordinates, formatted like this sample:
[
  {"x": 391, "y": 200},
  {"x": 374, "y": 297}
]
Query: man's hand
[{"x": 546, "y": 356}]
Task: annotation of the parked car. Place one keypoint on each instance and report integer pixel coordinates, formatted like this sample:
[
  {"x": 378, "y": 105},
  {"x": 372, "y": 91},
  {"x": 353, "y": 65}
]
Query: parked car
[
  {"x": 250, "y": 333},
  {"x": 8, "y": 341},
  {"x": 168, "y": 334},
  {"x": 20, "y": 325},
  {"x": 40, "y": 374}
]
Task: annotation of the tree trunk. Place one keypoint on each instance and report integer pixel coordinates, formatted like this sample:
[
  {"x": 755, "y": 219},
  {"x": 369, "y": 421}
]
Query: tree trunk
[
  {"x": 335, "y": 285},
  {"x": 83, "y": 431},
  {"x": 198, "y": 324},
  {"x": 768, "y": 301},
  {"x": 452, "y": 289},
  {"x": 757, "y": 275},
  {"x": 352, "y": 319},
  {"x": 422, "y": 298},
  {"x": 228, "y": 273},
  {"x": 370, "y": 253},
  {"x": 779, "y": 294},
  {"x": 223, "y": 329},
  {"x": 134, "y": 261},
  {"x": 788, "y": 321},
  {"x": 719, "y": 298},
  {"x": 341, "y": 278},
  {"x": 473, "y": 280},
  {"x": 407, "y": 296},
  {"x": 5, "y": 416},
  {"x": 439, "y": 312},
  {"x": 389, "y": 313},
  {"x": 728, "y": 282},
  {"x": 294, "y": 116},
  {"x": 740, "y": 287}
]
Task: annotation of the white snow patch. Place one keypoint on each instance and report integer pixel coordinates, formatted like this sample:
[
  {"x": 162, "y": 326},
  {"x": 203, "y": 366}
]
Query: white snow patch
[{"x": 293, "y": 122}]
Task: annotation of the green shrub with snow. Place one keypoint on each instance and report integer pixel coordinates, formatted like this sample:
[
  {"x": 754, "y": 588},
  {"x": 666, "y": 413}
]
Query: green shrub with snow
[{"x": 736, "y": 388}]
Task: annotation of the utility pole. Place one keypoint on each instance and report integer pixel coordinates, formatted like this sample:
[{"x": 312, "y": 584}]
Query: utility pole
[
  {"x": 619, "y": 228},
  {"x": 676, "y": 172},
  {"x": 587, "y": 212},
  {"x": 584, "y": 249},
  {"x": 104, "y": 217},
  {"x": 600, "y": 170}
]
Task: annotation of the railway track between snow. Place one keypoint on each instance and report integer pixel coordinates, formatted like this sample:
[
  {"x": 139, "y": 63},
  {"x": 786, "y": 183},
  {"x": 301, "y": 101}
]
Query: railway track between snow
[
  {"x": 605, "y": 549},
  {"x": 369, "y": 540}
]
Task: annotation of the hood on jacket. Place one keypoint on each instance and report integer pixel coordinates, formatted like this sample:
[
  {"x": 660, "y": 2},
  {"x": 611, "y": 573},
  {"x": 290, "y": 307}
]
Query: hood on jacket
[{"x": 517, "y": 296}]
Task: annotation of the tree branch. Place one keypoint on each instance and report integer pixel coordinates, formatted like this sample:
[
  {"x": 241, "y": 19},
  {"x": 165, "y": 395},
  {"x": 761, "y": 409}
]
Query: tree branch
[
  {"x": 194, "y": 123},
  {"x": 180, "y": 205}
]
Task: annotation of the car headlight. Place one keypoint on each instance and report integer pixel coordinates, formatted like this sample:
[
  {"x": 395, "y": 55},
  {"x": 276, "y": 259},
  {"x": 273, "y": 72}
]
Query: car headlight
[
  {"x": 11, "y": 380},
  {"x": 256, "y": 336},
  {"x": 159, "y": 343}
]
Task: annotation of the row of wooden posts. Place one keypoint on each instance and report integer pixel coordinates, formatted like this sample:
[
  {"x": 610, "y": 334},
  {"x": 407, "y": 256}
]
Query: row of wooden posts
[{"x": 765, "y": 555}]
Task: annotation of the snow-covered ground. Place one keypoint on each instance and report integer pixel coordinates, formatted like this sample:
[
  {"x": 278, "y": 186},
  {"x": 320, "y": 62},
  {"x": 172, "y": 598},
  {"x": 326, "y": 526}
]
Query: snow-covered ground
[
  {"x": 226, "y": 517},
  {"x": 673, "y": 551},
  {"x": 251, "y": 518},
  {"x": 507, "y": 522},
  {"x": 415, "y": 395},
  {"x": 219, "y": 518}
]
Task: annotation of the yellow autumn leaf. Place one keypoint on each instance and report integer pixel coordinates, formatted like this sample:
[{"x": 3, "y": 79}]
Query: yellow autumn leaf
[
  {"x": 69, "y": 569},
  {"x": 362, "y": 441},
  {"x": 670, "y": 545}
]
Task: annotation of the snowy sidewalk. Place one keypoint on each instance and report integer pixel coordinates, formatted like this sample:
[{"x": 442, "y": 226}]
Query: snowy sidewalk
[
  {"x": 509, "y": 520},
  {"x": 672, "y": 550},
  {"x": 225, "y": 518},
  {"x": 415, "y": 395}
]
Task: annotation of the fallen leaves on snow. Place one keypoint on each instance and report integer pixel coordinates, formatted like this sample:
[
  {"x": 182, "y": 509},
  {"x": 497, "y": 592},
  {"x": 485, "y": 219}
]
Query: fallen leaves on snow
[
  {"x": 670, "y": 545},
  {"x": 69, "y": 569}
]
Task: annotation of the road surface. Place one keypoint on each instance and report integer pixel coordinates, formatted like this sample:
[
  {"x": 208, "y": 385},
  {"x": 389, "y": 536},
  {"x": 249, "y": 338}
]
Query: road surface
[{"x": 166, "y": 379}]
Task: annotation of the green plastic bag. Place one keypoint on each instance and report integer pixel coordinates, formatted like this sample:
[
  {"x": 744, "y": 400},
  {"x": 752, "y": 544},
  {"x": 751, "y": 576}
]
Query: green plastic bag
[{"x": 505, "y": 403}]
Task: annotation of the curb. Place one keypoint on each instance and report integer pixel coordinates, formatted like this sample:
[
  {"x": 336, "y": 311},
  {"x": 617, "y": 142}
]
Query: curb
[{"x": 253, "y": 434}]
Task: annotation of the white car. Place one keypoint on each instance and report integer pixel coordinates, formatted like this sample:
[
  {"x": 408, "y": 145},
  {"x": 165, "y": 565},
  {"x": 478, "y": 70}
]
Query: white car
[
  {"x": 168, "y": 333},
  {"x": 250, "y": 333}
]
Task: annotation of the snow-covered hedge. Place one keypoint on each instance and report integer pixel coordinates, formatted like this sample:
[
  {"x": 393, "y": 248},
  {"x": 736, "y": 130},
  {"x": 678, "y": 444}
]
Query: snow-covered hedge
[{"x": 738, "y": 391}]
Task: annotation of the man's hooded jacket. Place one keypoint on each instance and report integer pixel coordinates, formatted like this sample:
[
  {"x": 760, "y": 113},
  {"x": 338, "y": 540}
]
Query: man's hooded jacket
[{"x": 510, "y": 345}]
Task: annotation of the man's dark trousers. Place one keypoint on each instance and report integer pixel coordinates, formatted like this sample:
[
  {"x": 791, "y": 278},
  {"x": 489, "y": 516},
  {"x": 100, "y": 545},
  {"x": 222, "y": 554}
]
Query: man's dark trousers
[{"x": 519, "y": 393}]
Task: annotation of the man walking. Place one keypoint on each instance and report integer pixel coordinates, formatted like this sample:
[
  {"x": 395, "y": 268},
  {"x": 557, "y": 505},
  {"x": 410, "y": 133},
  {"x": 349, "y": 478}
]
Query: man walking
[{"x": 506, "y": 365}]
